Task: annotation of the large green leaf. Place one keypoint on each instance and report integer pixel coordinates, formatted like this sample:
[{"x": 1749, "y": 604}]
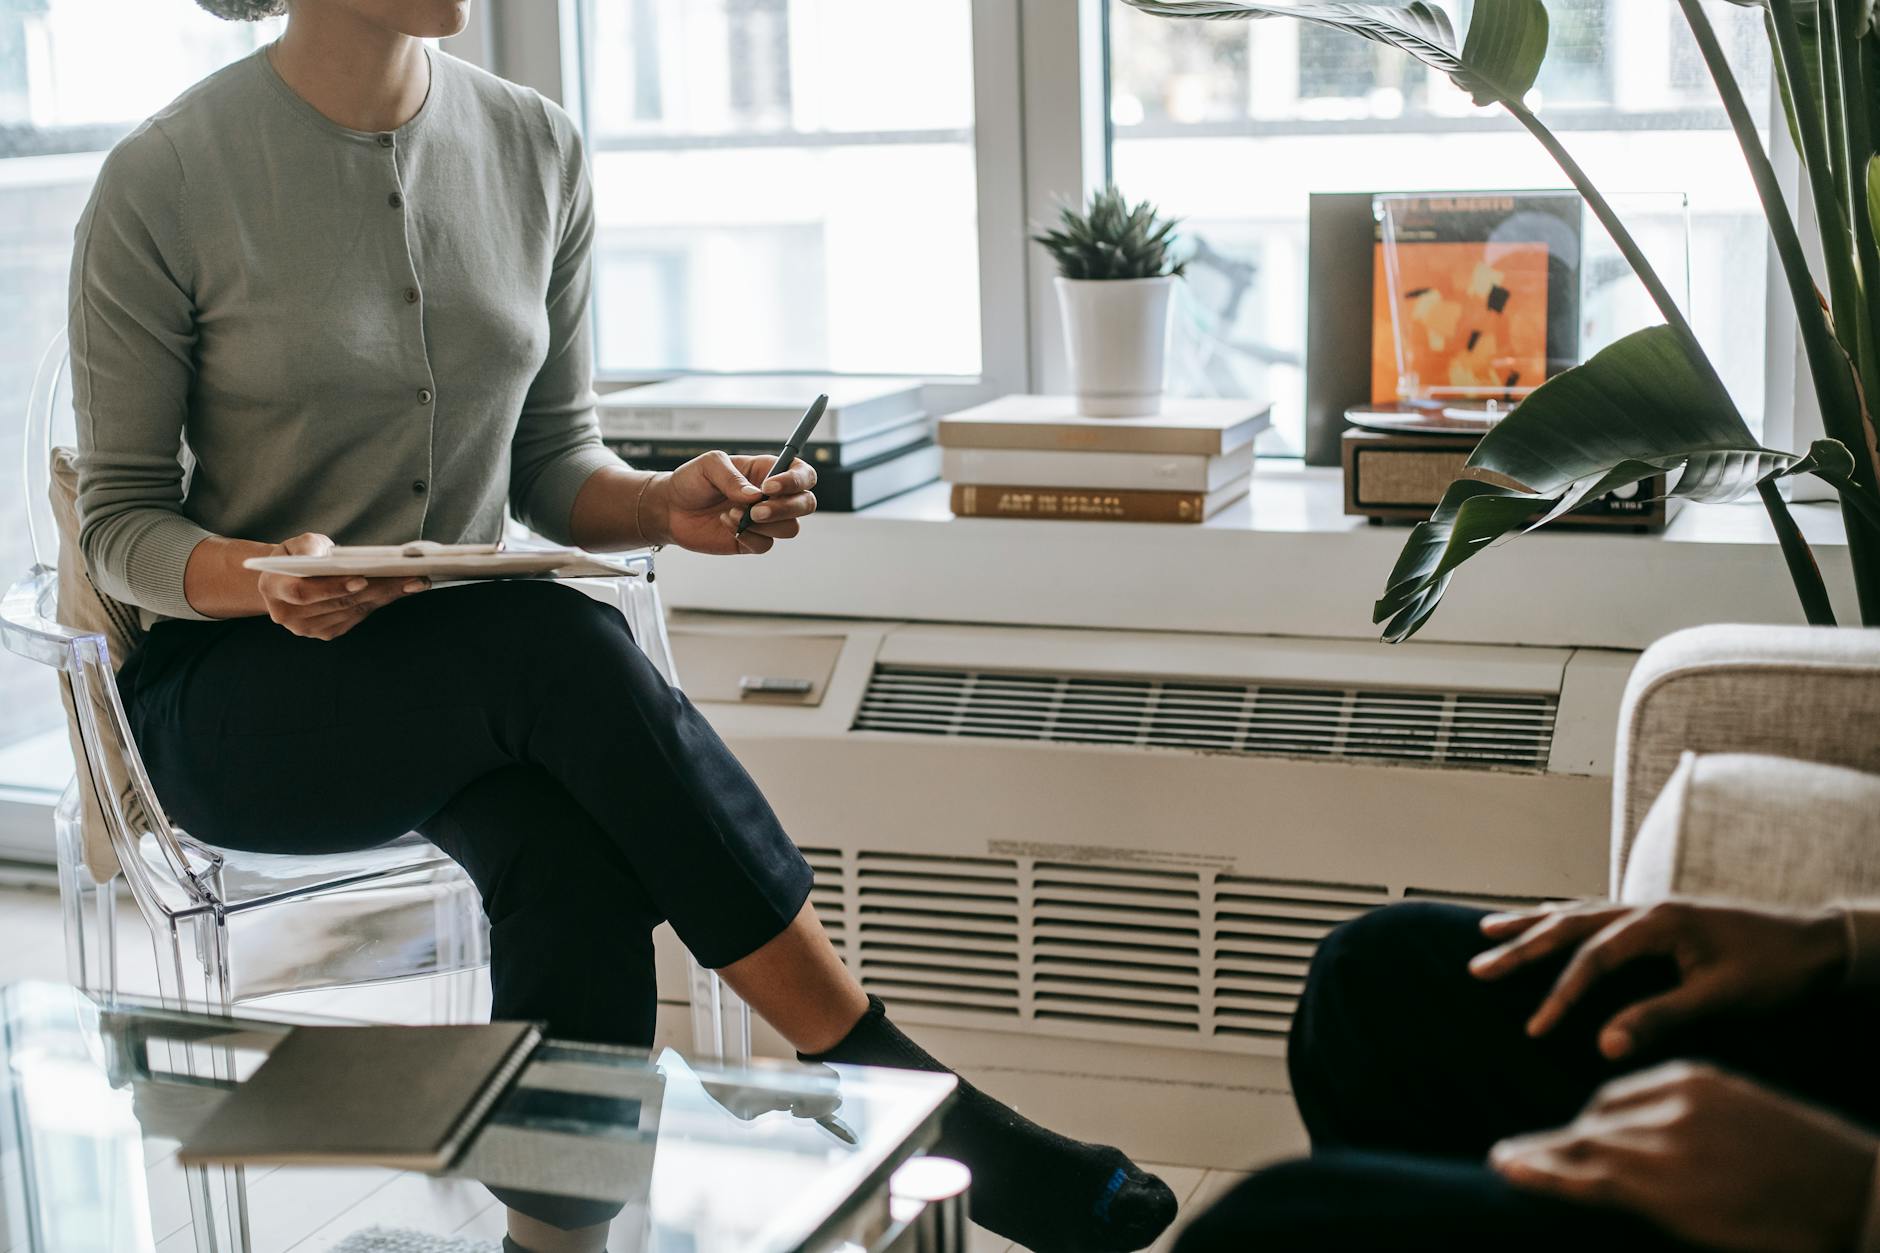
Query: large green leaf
[
  {"x": 1625, "y": 415},
  {"x": 1471, "y": 516},
  {"x": 1506, "y": 44},
  {"x": 1638, "y": 399}
]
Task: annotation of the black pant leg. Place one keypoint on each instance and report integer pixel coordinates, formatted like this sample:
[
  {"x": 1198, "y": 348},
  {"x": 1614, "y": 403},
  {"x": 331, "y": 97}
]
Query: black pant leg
[
  {"x": 694, "y": 824},
  {"x": 1406, "y": 1204},
  {"x": 257, "y": 739},
  {"x": 570, "y": 923},
  {"x": 1397, "y": 1047}
]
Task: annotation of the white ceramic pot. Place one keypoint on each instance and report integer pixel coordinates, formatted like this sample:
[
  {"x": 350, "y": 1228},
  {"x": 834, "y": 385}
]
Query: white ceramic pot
[{"x": 1115, "y": 331}]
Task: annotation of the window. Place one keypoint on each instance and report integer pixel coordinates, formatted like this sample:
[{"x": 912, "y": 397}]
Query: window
[
  {"x": 782, "y": 185},
  {"x": 75, "y": 75},
  {"x": 1229, "y": 125}
]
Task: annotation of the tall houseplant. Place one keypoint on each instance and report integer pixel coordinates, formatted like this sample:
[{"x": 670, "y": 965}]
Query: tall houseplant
[
  {"x": 1652, "y": 401},
  {"x": 1115, "y": 275}
]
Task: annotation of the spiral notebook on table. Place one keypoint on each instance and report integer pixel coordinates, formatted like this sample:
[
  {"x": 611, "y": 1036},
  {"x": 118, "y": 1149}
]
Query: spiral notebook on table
[
  {"x": 409, "y": 1098},
  {"x": 440, "y": 562}
]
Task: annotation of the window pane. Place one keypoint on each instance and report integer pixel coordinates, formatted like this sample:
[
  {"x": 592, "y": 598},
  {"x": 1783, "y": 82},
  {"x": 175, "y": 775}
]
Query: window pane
[
  {"x": 783, "y": 184},
  {"x": 1230, "y": 126},
  {"x": 75, "y": 75}
]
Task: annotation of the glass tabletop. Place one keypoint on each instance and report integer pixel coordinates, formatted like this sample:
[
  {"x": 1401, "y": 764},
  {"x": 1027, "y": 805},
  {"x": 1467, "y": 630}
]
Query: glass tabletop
[{"x": 95, "y": 1095}]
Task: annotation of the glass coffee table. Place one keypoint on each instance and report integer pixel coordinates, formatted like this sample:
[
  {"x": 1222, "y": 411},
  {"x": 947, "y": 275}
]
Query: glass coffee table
[{"x": 94, "y": 1096}]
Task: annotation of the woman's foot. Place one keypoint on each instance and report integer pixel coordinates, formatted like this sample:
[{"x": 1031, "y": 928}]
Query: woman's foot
[{"x": 1030, "y": 1185}]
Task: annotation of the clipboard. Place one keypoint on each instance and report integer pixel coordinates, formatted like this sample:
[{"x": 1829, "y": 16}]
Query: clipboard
[{"x": 445, "y": 562}]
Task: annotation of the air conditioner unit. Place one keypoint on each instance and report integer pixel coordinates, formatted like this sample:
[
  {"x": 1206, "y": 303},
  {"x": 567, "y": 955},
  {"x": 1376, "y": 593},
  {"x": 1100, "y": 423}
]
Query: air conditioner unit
[{"x": 1092, "y": 866}]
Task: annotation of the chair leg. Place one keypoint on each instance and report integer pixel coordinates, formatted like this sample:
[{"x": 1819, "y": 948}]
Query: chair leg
[
  {"x": 218, "y": 1195},
  {"x": 721, "y": 1021},
  {"x": 90, "y": 917}
]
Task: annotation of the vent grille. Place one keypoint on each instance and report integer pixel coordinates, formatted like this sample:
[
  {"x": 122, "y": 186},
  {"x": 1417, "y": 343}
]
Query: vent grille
[
  {"x": 1506, "y": 730},
  {"x": 1188, "y": 957},
  {"x": 1116, "y": 946},
  {"x": 940, "y": 932},
  {"x": 1266, "y": 932},
  {"x": 829, "y": 894}
]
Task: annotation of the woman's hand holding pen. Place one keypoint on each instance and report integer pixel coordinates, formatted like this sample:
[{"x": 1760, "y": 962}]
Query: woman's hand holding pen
[
  {"x": 698, "y": 506},
  {"x": 326, "y": 608}
]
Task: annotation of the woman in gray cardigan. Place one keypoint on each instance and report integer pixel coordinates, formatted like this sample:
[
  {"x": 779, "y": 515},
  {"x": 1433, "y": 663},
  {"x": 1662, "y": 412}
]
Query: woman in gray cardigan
[{"x": 351, "y": 276}]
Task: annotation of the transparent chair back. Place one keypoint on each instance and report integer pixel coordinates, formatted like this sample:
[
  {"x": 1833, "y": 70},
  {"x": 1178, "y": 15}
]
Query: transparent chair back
[{"x": 230, "y": 927}]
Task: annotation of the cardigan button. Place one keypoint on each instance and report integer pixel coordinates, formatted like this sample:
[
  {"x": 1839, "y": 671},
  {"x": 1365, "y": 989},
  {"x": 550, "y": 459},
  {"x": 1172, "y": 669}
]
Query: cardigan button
[
  {"x": 424, "y": 395},
  {"x": 385, "y": 141},
  {"x": 418, "y": 487},
  {"x": 395, "y": 200},
  {"x": 411, "y": 295}
]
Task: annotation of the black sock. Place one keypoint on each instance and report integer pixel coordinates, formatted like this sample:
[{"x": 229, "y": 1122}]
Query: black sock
[{"x": 1044, "y": 1191}]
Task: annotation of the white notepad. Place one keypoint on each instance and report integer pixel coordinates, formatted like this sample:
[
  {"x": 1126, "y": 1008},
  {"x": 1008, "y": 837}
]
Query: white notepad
[{"x": 439, "y": 562}]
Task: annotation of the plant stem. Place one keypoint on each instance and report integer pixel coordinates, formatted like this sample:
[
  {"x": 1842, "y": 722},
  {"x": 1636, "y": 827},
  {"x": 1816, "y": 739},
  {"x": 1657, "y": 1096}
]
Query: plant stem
[
  {"x": 1803, "y": 571},
  {"x": 1866, "y": 351},
  {"x": 1834, "y": 100},
  {"x": 1787, "y": 37},
  {"x": 1629, "y": 249},
  {"x": 1834, "y": 383},
  {"x": 1867, "y": 504},
  {"x": 1829, "y": 358}
]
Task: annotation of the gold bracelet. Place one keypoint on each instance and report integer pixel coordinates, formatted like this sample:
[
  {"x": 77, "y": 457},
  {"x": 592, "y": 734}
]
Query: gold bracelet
[{"x": 638, "y": 526}]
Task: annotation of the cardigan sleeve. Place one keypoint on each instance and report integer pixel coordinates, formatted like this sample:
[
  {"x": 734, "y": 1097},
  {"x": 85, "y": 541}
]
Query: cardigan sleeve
[
  {"x": 132, "y": 327},
  {"x": 557, "y": 445}
]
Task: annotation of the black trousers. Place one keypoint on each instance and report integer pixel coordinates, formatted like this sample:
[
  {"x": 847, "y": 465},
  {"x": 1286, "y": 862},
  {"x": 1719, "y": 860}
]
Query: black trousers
[
  {"x": 1406, "y": 1069},
  {"x": 519, "y": 727}
]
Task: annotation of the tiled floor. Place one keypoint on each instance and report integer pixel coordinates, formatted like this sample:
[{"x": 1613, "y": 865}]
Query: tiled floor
[{"x": 321, "y": 1207}]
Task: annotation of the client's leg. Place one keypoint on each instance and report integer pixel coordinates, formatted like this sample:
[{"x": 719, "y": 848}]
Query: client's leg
[
  {"x": 1407, "y": 1204},
  {"x": 1396, "y": 1046}
]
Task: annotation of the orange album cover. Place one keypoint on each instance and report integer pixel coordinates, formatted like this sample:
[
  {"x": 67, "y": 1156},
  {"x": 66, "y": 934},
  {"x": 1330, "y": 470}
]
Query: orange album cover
[{"x": 1469, "y": 321}]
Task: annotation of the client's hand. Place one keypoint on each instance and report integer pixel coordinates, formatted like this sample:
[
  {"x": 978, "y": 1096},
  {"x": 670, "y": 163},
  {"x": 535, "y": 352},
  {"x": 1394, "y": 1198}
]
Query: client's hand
[
  {"x": 1708, "y": 1156},
  {"x": 1728, "y": 957},
  {"x": 325, "y": 609},
  {"x": 699, "y": 505}
]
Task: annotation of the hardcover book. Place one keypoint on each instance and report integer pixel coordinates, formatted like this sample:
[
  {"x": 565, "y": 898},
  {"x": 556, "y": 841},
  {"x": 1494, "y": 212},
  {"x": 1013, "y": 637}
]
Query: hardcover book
[
  {"x": 405, "y": 1097},
  {"x": 757, "y": 407},
  {"x": 846, "y": 490},
  {"x": 1205, "y": 427},
  {"x": 642, "y": 451},
  {"x": 1138, "y": 471},
  {"x": 974, "y": 500}
]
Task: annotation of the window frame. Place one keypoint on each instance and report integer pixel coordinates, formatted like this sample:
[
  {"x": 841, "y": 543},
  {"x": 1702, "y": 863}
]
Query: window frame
[
  {"x": 1042, "y": 136},
  {"x": 533, "y": 42}
]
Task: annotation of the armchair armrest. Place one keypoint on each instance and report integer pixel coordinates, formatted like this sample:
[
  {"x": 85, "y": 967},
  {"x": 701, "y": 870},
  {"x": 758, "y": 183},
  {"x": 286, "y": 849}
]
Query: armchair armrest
[
  {"x": 1801, "y": 692},
  {"x": 1772, "y": 830}
]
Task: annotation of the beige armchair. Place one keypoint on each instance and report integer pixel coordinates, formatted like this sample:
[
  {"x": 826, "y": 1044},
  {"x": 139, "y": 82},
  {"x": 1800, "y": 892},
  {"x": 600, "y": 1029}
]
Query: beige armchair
[{"x": 1749, "y": 767}]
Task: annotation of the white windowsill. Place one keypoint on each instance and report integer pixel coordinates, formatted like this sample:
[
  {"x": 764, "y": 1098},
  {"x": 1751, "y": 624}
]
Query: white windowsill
[{"x": 1284, "y": 561}]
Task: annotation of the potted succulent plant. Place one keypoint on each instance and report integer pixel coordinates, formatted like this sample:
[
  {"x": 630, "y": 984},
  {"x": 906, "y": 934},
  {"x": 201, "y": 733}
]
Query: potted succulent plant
[{"x": 1115, "y": 272}]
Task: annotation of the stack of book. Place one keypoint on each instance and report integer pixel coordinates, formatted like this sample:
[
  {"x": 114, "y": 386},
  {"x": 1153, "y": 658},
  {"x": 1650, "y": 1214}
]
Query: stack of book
[
  {"x": 1033, "y": 457},
  {"x": 874, "y": 441}
]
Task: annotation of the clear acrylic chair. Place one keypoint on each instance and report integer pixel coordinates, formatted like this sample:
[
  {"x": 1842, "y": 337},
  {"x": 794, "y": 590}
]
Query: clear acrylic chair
[{"x": 232, "y": 927}]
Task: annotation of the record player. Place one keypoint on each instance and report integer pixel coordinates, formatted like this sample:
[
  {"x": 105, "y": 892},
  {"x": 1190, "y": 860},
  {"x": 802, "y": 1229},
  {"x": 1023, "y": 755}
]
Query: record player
[
  {"x": 1474, "y": 303},
  {"x": 1397, "y": 469}
]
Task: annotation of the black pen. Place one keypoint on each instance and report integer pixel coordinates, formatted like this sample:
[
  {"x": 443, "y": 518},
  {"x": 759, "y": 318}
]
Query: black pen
[{"x": 791, "y": 451}]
